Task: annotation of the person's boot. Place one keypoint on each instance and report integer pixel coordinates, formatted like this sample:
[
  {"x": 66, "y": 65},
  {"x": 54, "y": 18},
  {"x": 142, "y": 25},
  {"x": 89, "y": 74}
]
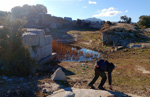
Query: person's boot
[
  {"x": 101, "y": 88},
  {"x": 91, "y": 86}
]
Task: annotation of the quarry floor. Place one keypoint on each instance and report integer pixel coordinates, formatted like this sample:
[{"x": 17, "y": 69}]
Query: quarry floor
[{"x": 132, "y": 75}]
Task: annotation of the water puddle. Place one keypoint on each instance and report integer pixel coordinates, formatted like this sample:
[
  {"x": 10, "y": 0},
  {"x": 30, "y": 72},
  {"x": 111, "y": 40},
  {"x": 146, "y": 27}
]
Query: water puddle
[{"x": 82, "y": 54}]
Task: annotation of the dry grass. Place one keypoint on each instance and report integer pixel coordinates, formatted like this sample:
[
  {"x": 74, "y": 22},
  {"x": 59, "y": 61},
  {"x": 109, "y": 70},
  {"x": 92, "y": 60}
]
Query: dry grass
[
  {"x": 126, "y": 77},
  {"x": 66, "y": 52}
]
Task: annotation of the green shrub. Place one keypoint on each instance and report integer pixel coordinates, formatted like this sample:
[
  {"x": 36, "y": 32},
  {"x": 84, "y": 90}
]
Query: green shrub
[{"x": 14, "y": 57}]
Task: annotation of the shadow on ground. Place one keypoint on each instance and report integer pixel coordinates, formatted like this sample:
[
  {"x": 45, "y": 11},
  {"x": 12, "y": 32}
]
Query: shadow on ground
[{"x": 118, "y": 94}]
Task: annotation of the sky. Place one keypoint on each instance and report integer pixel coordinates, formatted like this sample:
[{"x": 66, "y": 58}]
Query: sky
[{"x": 108, "y": 10}]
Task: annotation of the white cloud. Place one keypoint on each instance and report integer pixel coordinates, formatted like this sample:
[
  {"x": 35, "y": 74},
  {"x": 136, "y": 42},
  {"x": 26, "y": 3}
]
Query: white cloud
[
  {"x": 92, "y": 2},
  {"x": 110, "y": 12},
  {"x": 126, "y": 11}
]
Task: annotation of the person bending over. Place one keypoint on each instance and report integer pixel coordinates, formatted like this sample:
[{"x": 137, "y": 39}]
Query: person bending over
[{"x": 101, "y": 67}]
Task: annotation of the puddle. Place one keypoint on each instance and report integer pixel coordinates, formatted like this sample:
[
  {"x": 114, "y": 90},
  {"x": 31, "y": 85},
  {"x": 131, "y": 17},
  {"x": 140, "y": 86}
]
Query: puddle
[{"x": 83, "y": 54}]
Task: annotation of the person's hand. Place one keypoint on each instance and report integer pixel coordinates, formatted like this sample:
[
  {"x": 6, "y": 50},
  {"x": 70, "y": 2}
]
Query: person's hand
[{"x": 111, "y": 88}]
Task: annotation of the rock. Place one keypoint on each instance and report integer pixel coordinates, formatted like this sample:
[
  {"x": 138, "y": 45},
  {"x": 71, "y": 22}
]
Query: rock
[
  {"x": 44, "y": 51},
  {"x": 68, "y": 19},
  {"x": 9, "y": 80},
  {"x": 2, "y": 82},
  {"x": 58, "y": 75},
  {"x": 1, "y": 27},
  {"x": 44, "y": 91},
  {"x": 4, "y": 77},
  {"x": 48, "y": 39},
  {"x": 48, "y": 59},
  {"x": 95, "y": 25},
  {"x": 30, "y": 39},
  {"x": 81, "y": 93},
  {"x": 40, "y": 46},
  {"x": 69, "y": 94},
  {"x": 131, "y": 34},
  {"x": 47, "y": 30},
  {"x": 53, "y": 26}
]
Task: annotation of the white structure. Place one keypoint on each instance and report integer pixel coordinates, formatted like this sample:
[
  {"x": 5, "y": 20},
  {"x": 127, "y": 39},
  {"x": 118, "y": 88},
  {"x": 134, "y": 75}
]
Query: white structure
[{"x": 40, "y": 46}]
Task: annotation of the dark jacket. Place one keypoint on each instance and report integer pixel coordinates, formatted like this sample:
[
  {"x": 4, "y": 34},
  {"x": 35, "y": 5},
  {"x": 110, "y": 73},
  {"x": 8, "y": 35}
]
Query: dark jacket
[{"x": 104, "y": 65}]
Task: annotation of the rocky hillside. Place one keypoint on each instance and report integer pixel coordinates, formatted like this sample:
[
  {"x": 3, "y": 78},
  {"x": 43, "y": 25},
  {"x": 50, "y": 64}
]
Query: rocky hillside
[{"x": 121, "y": 34}]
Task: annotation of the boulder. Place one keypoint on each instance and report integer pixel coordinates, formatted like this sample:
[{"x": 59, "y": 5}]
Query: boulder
[{"x": 58, "y": 75}]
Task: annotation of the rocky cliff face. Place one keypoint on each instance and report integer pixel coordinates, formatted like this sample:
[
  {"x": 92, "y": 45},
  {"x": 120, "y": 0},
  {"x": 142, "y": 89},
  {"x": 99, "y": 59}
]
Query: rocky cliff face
[
  {"x": 41, "y": 21},
  {"x": 122, "y": 34}
]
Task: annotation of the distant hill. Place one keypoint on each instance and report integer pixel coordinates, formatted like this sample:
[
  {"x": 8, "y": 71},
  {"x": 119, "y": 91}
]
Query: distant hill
[{"x": 93, "y": 19}]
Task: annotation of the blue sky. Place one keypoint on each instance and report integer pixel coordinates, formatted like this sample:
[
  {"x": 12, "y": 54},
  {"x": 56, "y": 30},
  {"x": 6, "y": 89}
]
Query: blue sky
[{"x": 81, "y": 9}]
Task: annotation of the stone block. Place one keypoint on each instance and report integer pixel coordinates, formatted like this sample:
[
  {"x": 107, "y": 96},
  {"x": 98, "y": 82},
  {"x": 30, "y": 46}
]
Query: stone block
[
  {"x": 42, "y": 37},
  {"x": 53, "y": 25},
  {"x": 48, "y": 58},
  {"x": 31, "y": 39},
  {"x": 33, "y": 54},
  {"x": 34, "y": 37},
  {"x": 44, "y": 51},
  {"x": 48, "y": 39},
  {"x": 47, "y": 30}
]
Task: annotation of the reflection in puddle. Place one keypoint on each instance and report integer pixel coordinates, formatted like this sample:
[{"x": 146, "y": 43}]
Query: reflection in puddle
[
  {"x": 70, "y": 53},
  {"x": 82, "y": 54}
]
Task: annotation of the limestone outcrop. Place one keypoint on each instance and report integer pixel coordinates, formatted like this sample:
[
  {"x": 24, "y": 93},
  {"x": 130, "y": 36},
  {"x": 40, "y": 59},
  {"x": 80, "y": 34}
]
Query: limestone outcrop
[
  {"x": 121, "y": 34},
  {"x": 40, "y": 46},
  {"x": 75, "y": 92}
]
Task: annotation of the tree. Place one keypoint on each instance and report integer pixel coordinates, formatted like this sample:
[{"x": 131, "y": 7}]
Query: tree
[
  {"x": 144, "y": 22},
  {"x": 40, "y": 8},
  {"x": 17, "y": 12},
  {"x": 79, "y": 22},
  {"x": 27, "y": 10},
  {"x": 125, "y": 19},
  {"x": 14, "y": 57}
]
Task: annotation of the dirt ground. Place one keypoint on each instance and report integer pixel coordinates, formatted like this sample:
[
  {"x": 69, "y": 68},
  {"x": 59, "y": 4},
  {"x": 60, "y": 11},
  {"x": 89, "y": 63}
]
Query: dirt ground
[{"x": 132, "y": 74}]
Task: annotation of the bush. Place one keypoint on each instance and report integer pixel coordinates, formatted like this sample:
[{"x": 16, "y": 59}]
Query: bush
[
  {"x": 144, "y": 22},
  {"x": 14, "y": 57}
]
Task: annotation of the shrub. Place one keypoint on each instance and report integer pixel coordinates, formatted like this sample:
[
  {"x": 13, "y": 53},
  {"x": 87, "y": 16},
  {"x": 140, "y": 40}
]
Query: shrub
[
  {"x": 14, "y": 57},
  {"x": 144, "y": 22}
]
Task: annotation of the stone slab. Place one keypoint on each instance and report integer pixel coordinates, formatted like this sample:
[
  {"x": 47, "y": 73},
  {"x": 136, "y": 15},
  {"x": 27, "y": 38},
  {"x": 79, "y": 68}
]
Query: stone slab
[
  {"x": 48, "y": 39},
  {"x": 48, "y": 58},
  {"x": 31, "y": 39},
  {"x": 44, "y": 51}
]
